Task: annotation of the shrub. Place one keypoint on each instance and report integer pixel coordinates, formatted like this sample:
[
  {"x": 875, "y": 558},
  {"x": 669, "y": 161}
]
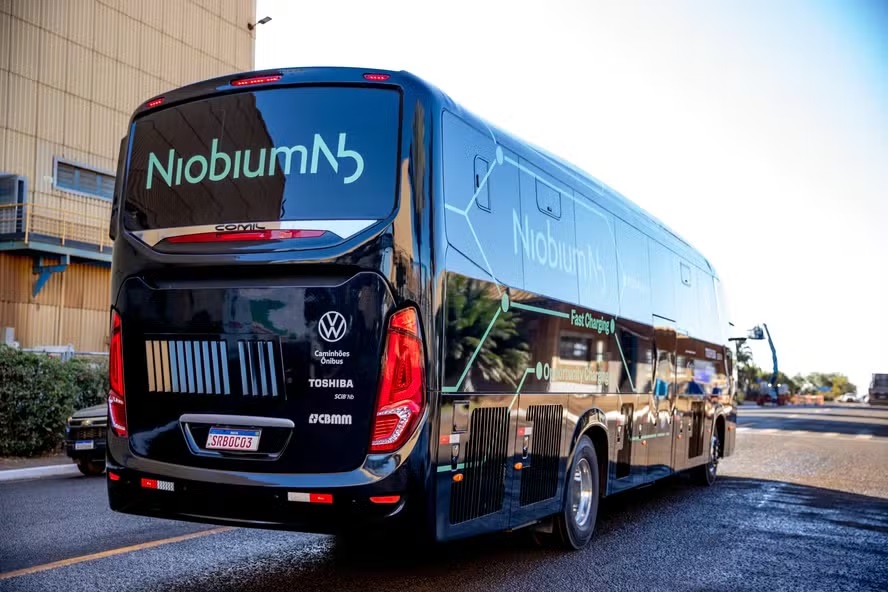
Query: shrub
[{"x": 38, "y": 393}]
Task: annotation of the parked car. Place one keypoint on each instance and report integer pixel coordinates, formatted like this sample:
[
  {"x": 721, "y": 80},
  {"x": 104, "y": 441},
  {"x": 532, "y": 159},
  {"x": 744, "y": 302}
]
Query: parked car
[{"x": 85, "y": 439}]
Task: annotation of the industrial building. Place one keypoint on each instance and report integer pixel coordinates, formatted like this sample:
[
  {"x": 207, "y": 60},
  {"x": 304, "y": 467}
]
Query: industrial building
[{"x": 71, "y": 74}]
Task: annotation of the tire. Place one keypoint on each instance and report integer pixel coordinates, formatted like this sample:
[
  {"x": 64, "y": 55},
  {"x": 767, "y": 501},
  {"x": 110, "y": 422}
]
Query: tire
[
  {"x": 91, "y": 468},
  {"x": 706, "y": 474},
  {"x": 574, "y": 525}
]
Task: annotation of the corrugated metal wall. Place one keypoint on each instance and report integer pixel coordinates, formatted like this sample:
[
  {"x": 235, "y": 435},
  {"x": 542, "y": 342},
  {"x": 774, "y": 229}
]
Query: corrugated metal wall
[
  {"x": 71, "y": 73},
  {"x": 72, "y": 308}
]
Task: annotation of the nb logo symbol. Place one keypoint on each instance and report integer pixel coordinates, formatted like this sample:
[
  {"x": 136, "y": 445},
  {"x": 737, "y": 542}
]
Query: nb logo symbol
[{"x": 332, "y": 326}]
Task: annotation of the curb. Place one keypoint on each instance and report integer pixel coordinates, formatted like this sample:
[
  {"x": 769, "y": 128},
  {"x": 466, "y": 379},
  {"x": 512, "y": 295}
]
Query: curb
[{"x": 39, "y": 472}]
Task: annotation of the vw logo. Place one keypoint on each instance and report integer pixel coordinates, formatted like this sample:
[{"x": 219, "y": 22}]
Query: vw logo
[{"x": 332, "y": 326}]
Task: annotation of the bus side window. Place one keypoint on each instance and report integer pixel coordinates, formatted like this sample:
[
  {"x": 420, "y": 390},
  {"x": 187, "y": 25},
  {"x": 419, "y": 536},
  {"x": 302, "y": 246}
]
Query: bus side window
[
  {"x": 548, "y": 200},
  {"x": 483, "y": 193}
]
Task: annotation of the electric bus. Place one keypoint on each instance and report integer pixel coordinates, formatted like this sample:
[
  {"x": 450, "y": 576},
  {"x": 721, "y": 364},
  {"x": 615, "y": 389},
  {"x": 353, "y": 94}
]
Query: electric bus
[{"x": 342, "y": 303}]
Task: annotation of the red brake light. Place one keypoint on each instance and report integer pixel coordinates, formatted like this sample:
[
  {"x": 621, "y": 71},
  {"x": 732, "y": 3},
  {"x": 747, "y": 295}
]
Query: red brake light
[
  {"x": 116, "y": 396},
  {"x": 401, "y": 388},
  {"x": 255, "y": 80},
  {"x": 245, "y": 235},
  {"x": 376, "y": 77},
  {"x": 154, "y": 102}
]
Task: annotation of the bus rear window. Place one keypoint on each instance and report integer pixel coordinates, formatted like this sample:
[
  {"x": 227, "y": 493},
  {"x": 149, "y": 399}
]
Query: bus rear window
[{"x": 301, "y": 153}]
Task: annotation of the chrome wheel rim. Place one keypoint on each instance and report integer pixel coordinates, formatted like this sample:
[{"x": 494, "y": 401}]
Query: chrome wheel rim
[
  {"x": 713, "y": 457},
  {"x": 581, "y": 492}
]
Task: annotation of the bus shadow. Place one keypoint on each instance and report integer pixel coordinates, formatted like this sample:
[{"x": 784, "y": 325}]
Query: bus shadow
[{"x": 663, "y": 519}]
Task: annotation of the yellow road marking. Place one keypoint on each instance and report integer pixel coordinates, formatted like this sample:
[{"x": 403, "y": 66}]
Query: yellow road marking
[{"x": 110, "y": 553}]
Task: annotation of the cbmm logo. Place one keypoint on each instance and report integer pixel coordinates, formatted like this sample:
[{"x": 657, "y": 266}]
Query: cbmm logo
[{"x": 332, "y": 326}]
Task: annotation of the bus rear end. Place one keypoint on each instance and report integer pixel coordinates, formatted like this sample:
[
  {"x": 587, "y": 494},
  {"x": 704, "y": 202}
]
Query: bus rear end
[{"x": 265, "y": 368}]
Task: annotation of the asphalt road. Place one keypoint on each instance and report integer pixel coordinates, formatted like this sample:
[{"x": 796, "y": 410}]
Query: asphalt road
[{"x": 803, "y": 505}]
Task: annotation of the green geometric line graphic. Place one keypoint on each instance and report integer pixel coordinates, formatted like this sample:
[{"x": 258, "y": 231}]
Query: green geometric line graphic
[
  {"x": 625, "y": 365},
  {"x": 453, "y": 389},
  {"x": 531, "y": 308},
  {"x": 521, "y": 384}
]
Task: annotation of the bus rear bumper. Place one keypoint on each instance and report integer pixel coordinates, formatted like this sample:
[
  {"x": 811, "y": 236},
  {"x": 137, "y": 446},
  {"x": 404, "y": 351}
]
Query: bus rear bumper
[{"x": 319, "y": 510}]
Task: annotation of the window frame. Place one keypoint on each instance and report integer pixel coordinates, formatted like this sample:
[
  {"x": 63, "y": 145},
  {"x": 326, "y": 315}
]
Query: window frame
[{"x": 57, "y": 160}]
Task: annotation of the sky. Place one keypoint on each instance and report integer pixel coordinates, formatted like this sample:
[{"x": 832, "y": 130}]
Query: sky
[{"x": 757, "y": 130}]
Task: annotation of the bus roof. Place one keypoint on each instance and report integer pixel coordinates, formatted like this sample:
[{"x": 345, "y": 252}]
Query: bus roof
[{"x": 604, "y": 195}]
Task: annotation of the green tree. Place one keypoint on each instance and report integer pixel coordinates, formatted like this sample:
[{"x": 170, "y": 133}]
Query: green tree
[{"x": 502, "y": 356}]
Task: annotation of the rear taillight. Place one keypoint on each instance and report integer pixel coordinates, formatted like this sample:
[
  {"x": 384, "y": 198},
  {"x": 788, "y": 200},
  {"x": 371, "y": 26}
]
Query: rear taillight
[
  {"x": 117, "y": 395},
  {"x": 401, "y": 388}
]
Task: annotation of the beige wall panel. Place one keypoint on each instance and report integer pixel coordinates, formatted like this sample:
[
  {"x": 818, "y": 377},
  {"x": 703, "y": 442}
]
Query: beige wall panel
[
  {"x": 128, "y": 83},
  {"x": 171, "y": 52},
  {"x": 149, "y": 87},
  {"x": 131, "y": 8},
  {"x": 3, "y": 165},
  {"x": 244, "y": 52},
  {"x": 173, "y": 14},
  {"x": 54, "y": 16},
  {"x": 79, "y": 75},
  {"x": 210, "y": 66},
  {"x": 194, "y": 20},
  {"x": 24, "y": 54},
  {"x": 4, "y": 97},
  {"x": 108, "y": 22},
  {"x": 189, "y": 67},
  {"x": 103, "y": 136},
  {"x": 22, "y": 108},
  {"x": 105, "y": 80},
  {"x": 42, "y": 180},
  {"x": 77, "y": 123},
  {"x": 14, "y": 273},
  {"x": 129, "y": 39},
  {"x": 27, "y": 10},
  {"x": 209, "y": 42},
  {"x": 53, "y": 60},
  {"x": 5, "y": 40},
  {"x": 227, "y": 42},
  {"x": 150, "y": 53},
  {"x": 50, "y": 114},
  {"x": 211, "y": 5},
  {"x": 246, "y": 13},
  {"x": 89, "y": 287},
  {"x": 82, "y": 21},
  {"x": 229, "y": 10},
  {"x": 85, "y": 329},
  {"x": 20, "y": 151},
  {"x": 5, "y": 6},
  {"x": 152, "y": 14}
]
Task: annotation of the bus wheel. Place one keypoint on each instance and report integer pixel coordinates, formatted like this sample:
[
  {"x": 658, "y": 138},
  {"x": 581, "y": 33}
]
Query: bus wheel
[
  {"x": 706, "y": 474},
  {"x": 575, "y": 523}
]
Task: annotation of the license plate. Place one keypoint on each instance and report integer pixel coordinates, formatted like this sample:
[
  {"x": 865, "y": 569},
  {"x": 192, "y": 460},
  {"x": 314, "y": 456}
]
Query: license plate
[
  {"x": 241, "y": 439},
  {"x": 84, "y": 445}
]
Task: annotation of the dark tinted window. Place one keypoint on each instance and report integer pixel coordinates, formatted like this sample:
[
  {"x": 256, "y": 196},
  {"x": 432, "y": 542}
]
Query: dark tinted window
[
  {"x": 309, "y": 153},
  {"x": 75, "y": 178}
]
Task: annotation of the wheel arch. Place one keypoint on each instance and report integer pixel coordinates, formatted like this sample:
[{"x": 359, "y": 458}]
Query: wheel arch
[{"x": 593, "y": 424}]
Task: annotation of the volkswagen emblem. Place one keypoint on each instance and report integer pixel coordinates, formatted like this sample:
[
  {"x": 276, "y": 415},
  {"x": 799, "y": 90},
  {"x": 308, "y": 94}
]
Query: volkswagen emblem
[{"x": 332, "y": 326}]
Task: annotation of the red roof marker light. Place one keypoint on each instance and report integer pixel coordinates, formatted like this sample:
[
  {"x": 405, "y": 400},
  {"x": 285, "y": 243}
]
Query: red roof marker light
[
  {"x": 376, "y": 77},
  {"x": 255, "y": 80},
  {"x": 154, "y": 103}
]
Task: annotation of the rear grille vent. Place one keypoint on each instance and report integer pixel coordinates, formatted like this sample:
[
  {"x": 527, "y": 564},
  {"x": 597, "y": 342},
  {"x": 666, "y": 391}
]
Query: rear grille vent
[
  {"x": 539, "y": 481},
  {"x": 482, "y": 490},
  {"x": 188, "y": 367},
  {"x": 259, "y": 372}
]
